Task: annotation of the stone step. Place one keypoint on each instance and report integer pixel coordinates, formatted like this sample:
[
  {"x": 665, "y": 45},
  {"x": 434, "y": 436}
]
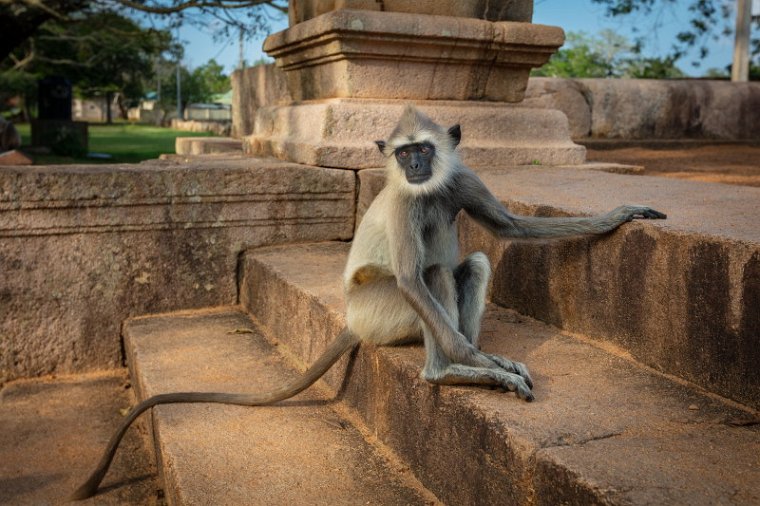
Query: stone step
[
  {"x": 681, "y": 295},
  {"x": 603, "y": 429},
  {"x": 207, "y": 145},
  {"x": 300, "y": 452}
]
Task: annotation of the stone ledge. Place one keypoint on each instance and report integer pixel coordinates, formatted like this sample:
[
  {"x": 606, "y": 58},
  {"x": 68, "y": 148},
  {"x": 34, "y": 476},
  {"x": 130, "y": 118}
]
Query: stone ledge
[
  {"x": 601, "y": 431},
  {"x": 339, "y": 133},
  {"x": 206, "y": 145}
]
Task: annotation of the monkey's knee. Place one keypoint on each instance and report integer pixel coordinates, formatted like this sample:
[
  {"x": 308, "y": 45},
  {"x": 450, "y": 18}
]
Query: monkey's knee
[{"x": 475, "y": 269}]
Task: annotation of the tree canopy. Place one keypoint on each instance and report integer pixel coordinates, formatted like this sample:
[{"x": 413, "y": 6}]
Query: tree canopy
[
  {"x": 607, "y": 54},
  {"x": 104, "y": 47},
  {"x": 101, "y": 53},
  {"x": 21, "y": 19},
  {"x": 710, "y": 20}
]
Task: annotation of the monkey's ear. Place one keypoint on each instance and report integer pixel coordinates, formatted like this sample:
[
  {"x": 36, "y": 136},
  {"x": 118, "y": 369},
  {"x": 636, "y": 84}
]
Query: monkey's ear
[
  {"x": 381, "y": 146},
  {"x": 456, "y": 135}
]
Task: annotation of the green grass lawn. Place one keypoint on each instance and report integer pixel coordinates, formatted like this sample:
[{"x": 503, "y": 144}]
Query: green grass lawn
[{"x": 126, "y": 143}]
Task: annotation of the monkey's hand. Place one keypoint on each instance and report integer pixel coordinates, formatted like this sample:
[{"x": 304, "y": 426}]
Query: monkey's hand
[
  {"x": 629, "y": 213},
  {"x": 513, "y": 367}
]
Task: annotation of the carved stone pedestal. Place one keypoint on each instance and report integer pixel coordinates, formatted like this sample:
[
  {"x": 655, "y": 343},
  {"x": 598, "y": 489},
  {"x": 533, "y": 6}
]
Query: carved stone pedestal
[
  {"x": 365, "y": 54},
  {"x": 350, "y": 72}
]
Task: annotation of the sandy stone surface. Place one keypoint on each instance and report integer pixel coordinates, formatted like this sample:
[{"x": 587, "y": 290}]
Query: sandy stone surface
[
  {"x": 53, "y": 431},
  {"x": 713, "y": 163}
]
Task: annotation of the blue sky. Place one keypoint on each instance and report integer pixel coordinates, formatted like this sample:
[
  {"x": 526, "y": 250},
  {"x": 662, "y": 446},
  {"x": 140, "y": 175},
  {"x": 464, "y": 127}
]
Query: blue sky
[{"x": 572, "y": 15}]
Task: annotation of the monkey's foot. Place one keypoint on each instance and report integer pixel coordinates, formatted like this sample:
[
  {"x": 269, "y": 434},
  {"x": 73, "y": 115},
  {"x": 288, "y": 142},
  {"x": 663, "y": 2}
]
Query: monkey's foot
[
  {"x": 459, "y": 374},
  {"x": 514, "y": 367}
]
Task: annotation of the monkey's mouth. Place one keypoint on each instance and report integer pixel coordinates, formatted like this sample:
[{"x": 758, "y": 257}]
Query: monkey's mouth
[{"x": 418, "y": 178}]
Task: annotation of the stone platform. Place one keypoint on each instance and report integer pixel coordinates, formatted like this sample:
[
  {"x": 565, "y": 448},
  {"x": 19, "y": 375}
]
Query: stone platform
[{"x": 338, "y": 133}]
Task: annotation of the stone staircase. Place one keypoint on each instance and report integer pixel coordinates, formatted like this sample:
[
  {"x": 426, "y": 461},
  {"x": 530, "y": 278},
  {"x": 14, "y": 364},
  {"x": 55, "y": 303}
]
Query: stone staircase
[{"x": 626, "y": 411}]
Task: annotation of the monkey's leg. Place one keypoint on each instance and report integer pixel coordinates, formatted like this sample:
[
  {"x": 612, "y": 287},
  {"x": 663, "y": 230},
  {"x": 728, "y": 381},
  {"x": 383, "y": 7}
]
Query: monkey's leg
[
  {"x": 472, "y": 277},
  {"x": 439, "y": 367}
]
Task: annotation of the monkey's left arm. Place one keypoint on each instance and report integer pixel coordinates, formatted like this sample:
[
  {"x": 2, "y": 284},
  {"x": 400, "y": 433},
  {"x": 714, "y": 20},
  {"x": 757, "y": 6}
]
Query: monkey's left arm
[{"x": 486, "y": 209}]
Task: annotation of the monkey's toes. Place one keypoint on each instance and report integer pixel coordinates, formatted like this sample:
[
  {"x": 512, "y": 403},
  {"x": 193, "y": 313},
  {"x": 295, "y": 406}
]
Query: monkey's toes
[
  {"x": 525, "y": 394},
  {"x": 522, "y": 370},
  {"x": 654, "y": 215}
]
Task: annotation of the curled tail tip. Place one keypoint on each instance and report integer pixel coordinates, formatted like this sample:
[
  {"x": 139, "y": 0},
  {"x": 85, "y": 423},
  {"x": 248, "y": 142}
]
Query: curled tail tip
[{"x": 86, "y": 491}]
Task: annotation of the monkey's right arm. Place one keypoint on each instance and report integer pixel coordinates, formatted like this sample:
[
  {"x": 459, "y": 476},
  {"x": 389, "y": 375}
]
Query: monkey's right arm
[{"x": 485, "y": 208}]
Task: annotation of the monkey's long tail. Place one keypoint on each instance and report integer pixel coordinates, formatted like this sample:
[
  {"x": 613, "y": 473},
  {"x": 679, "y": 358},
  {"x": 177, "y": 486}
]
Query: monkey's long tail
[{"x": 343, "y": 343}]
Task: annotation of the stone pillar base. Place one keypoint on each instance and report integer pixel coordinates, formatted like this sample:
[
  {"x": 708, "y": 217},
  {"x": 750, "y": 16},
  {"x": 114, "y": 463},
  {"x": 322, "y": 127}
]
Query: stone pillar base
[
  {"x": 340, "y": 132},
  {"x": 394, "y": 55}
]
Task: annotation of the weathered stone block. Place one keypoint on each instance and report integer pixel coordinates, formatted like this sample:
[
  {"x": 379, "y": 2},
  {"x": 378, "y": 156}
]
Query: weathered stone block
[
  {"x": 566, "y": 95},
  {"x": 339, "y": 133},
  {"x": 364, "y": 54},
  {"x": 254, "y": 87},
  {"x": 651, "y": 109},
  {"x": 14, "y": 157},
  {"x": 83, "y": 247},
  {"x": 491, "y": 10},
  {"x": 206, "y": 145}
]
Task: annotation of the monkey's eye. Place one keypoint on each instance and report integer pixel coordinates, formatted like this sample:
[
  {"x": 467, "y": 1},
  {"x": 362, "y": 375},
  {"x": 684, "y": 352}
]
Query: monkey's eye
[
  {"x": 424, "y": 149},
  {"x": 403, "y": 153}
]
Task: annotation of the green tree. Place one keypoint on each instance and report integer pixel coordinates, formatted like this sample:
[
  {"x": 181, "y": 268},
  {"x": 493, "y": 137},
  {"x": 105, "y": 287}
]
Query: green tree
[
  {"x": 587, "y": 56},
  {"x": 709, "y": 22},
  {"x": 196, "y": 86},
  {"x": 607, "y": 54},
  {"x": 652, "y": 68},
  {"x": 21, "y": 19},
  {"x": 103, "y": 54},
  {"x": 212, "y": 79}
]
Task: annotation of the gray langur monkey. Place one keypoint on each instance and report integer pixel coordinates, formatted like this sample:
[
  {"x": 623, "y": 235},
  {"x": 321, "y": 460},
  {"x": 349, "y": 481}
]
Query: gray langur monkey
[{"x": 403, "y": 280}]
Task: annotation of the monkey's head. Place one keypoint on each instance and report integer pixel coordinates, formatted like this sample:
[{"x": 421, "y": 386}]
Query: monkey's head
[{"x": 420, "y": 153}]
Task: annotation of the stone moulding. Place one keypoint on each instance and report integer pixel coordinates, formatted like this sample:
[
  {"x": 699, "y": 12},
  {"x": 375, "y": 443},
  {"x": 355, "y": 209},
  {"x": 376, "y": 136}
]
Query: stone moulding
[
  {"x": 365, "y": 54},
  {"x": 165, "y": 196},
  {"x": 339, "y": 133}
]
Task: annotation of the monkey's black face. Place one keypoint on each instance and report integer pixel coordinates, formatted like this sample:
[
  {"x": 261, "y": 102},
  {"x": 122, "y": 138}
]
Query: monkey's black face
[{"x": 416, "y": 160}]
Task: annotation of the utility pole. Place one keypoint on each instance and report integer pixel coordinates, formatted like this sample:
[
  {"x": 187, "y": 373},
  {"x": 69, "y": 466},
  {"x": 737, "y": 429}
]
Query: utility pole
[
  {"x": 179, "y": 91},
  {"x": 740, "y": 66},
  {"x": 158, "y": 79},
  {"x": 241, "y": 60}
]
